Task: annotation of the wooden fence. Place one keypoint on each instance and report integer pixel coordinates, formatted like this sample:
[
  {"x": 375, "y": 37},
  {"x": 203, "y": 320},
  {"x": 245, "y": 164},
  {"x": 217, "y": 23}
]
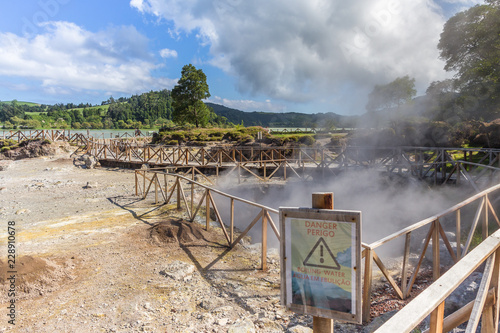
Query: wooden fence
[
  {"x": 441, "y": 165},
  {"x": 52, "y": 135},
  {"x": 182, "y": 191},
  {"x": 157, "y": 181},
  {"x": 67, "y": 135},
  {"x": 435, "y": 232},
  {"x": 484, "y": 308}
]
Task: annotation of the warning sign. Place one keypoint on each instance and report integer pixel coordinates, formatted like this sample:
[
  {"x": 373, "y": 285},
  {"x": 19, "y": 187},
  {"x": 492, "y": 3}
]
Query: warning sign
[
  {"x": 321, "y": 256},
  {"x": 320, "y": 260}
]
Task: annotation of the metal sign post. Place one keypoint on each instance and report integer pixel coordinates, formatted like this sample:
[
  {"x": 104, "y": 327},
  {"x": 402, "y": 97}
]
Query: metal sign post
[{"x": 320, "y": 254}]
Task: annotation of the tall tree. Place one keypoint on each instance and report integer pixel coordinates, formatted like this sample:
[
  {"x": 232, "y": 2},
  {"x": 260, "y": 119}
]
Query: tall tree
[
  {"x": 188, "y": 96},
  {"x": 391, "y": 95},
  {"x": 470, "y": 45}
]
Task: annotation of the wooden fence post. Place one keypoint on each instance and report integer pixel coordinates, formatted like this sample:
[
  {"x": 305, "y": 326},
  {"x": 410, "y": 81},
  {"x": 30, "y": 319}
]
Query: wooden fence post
[
  {"x": 436, "y": 266},
  {"x": 207, "y": 208},
  {"x": 322, "y": 201},
  {"x": 264, "y": 240},
  {"x": 367, "y": 284},
  {"x": 178, "y": 193}
]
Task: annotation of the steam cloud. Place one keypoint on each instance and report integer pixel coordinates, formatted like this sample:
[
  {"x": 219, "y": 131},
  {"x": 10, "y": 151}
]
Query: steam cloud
[{"x": 387, "y": 205}]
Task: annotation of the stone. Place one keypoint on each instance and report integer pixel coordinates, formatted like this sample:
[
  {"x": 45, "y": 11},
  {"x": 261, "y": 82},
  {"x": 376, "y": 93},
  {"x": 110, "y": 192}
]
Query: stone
[
  {"x": 178, "y": 270},
  {"x": 299, "y": 329},
  {"x": 242, "y": 326},
  {"x": 269, "y": 325},
  {"x": 222, "y": 321},
  {"x": 90, "y": 161},
  {"x": 465, "y": 293}
]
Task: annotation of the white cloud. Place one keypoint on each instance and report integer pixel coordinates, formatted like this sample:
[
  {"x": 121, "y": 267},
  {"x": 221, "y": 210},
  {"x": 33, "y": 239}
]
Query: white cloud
[
  {"x": 167, "y": 53},
  {"x": 139, "y": 4},
  {"x": 248, "y": 105},
  {"x": 304, "y": 50},
  {"x": 66, "y": 58}
]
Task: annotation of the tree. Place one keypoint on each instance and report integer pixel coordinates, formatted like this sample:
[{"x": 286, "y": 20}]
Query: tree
[
  {"x": 187, "y": 97},
  {"x": 470, "y": 46},
  {"x": 391, "y": 95}
]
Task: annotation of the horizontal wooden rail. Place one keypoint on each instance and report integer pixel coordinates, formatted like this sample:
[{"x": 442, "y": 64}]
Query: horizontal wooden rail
[
  {"x": 152, "y": 181},
  {"x": 435, "y": 233},
  {"x": 428, "y": 220},
  {"x": 431, "y": 301}
]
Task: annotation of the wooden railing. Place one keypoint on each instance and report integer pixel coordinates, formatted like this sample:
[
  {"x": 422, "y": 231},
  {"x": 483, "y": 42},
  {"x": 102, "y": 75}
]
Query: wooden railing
[
  {"x": 182, "y": 190},
  {"x": 52, "y": 135},
  {"x": 431, "y": 301},
  {"x": 420, "y": 162},
  {"x": 435, "y": 232},
  {"x": 72, "y": 136}
]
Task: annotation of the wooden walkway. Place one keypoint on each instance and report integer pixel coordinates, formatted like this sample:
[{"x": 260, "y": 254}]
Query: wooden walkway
[
  {"x": 478, "y": 167},
  {"x": 75, "y": 137}
]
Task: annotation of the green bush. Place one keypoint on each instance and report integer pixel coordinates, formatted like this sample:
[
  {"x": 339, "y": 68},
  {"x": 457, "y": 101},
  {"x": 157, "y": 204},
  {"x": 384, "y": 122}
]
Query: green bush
[{"x": 307, "y": 140}]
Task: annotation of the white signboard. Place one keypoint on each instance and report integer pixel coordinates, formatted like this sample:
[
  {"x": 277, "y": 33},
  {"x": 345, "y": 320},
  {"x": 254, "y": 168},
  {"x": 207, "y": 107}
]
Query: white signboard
[{"x": 320, "y": 256}]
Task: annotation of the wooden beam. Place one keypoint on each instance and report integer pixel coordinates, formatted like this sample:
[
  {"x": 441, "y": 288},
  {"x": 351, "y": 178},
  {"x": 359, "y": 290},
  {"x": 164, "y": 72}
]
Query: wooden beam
[
  {"x": 406, "y": 257},
  {"x": 482, "y": 292},
  {"x": 436, "y": 325},
  {"x": 322, "y": 200},
  {"x": 436, "y": 266},
  {"x": 422, "y": 256},
  {"x": 367, "y": 285},
  {"x": 387, "y": 275},
  {"x": 264, "y": 241},
  {"x": 416, "y": 311},
  {"x": 460, "y": 316},
  {"x": 243, "y": 234}
]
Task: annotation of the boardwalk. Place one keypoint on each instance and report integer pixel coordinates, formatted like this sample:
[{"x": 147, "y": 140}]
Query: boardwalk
[{"x": 477, "y": 166}]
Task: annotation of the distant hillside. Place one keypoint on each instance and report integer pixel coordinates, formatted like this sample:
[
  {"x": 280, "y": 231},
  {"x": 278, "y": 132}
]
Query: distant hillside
[
  {"x": 21, "y": 103},
  {"x": 274, "y": 119}
]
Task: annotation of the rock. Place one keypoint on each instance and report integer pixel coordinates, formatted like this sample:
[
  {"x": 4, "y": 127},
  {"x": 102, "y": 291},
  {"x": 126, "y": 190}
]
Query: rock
[
  {"x": 243, "y": 326},
  {"x": 90, "y": 185},
  {"x": 299, "y": 329},
  {"x": 22, "y": 211},
  {"x": 207, "y": 318},
  {"x": 378, "y": 321},
  {"x": 465, "y": 293},
  {"x": 210, "y": 303},
  {"x": 222, "y": 321},
  {"x": 269, "y": 325},
  {"x": 178, "y": 270},
  {"x": 90, "y": 161}
]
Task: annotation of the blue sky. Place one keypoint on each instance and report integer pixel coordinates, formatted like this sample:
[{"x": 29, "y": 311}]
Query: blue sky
[{"x": 263, "y": 55}]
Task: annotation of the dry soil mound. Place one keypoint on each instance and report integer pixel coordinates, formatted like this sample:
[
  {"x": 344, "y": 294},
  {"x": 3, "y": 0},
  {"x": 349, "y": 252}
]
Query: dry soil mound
[
  {"x": 177, "y": 231},
  {"x": 35, "y": 276}
]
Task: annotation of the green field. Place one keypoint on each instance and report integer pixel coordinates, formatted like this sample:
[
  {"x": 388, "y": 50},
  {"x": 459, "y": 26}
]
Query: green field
[{"x": 21, "y": 103}]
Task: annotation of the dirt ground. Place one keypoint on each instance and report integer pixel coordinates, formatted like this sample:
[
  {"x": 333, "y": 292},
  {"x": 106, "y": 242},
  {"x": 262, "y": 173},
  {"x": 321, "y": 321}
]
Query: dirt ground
[{"x": 92, "y": 257}]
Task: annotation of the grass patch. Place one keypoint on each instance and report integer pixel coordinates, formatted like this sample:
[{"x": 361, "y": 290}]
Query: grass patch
[{"x": 205, "y": 135}]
